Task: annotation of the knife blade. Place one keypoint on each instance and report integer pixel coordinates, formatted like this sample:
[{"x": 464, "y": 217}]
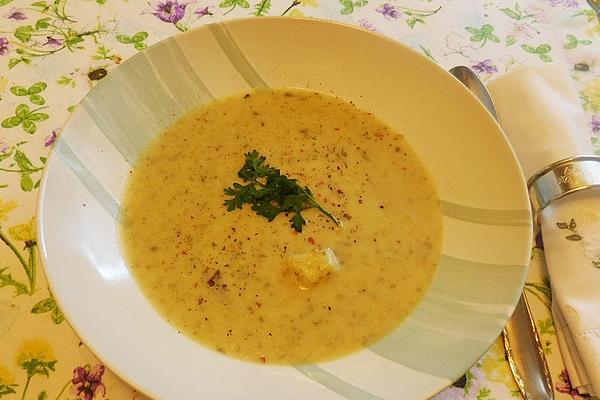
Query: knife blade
[{"x": 521, "y": 340}]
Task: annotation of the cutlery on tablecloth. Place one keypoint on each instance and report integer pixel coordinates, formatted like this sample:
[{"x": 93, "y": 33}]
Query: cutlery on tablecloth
[
  {"x": 521, "y": 340},
  {"x": 546, "y": 126}
]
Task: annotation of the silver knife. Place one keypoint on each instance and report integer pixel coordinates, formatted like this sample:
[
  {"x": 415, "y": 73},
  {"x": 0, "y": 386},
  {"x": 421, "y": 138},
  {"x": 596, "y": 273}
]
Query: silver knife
[{"x": 521, "y": 341}]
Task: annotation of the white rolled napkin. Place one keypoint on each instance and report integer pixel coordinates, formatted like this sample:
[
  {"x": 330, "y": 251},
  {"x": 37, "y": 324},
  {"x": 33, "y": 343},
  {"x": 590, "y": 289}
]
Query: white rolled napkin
[{"x": 544, "y": 122}]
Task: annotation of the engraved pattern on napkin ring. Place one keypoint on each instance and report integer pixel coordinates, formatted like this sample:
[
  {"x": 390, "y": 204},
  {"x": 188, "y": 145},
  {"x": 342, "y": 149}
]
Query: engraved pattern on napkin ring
[{"x": 562, "y": 178}]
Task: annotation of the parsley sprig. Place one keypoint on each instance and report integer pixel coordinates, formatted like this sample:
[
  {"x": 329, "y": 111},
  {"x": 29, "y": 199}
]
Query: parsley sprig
[{"x": 271, "y": 193}]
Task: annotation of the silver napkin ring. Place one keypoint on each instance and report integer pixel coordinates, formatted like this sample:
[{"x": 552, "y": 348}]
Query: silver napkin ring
[{"x": 562, "y": 178}]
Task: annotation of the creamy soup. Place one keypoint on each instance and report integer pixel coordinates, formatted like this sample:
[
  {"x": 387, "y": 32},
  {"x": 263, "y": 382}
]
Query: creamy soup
[{"x": 257, "y": 289}]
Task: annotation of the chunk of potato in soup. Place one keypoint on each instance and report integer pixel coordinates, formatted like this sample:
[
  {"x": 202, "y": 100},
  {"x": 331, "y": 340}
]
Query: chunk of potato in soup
[{"x": 259, "y": 290}]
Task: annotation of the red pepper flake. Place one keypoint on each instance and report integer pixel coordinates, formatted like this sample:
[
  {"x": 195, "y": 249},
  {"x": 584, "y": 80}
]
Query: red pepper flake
[
  {"x": 258, "y": 304},
  {"x": 263, "y": 359},
  {"x": 311, "y": 240},
  {"x": 337, "y": 129}
]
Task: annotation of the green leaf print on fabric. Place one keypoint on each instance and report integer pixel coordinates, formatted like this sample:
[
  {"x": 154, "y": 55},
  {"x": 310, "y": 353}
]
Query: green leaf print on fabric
[
  {"x": 484, "y": 394},
  {"x": 413, "y": 15},
  {"x": 348, "y": 6},
  {"x": 483, "y": 34},
  {"x": 541, "y": 51},
  {"x": 262, "y": 8},
  {"x": 510, "y": 40},
  {"x": 573, "y": 42},
  {"x": 232, "y": 4},
  {"x": 417, "y": 16},
  {"x": 44, "y": 306},
  {"x": 33, "y": 92},
  {"x": 48, "y": 305},
  {"x": 541, "y": 291},
  {"x": 546, "y": 328},
  {"x": 136, "y": 40},
  {"x": 516, "y": 13},
  {"x": 22, "y": 165},
  {"x": 26, "y": 118},
  {"x": 6, "y": 279},
  {"x": 66, "y": 81}
]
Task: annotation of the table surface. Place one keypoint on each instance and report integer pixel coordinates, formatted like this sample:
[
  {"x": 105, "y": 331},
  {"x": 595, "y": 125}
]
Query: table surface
[{"x": 53, "y": 52}]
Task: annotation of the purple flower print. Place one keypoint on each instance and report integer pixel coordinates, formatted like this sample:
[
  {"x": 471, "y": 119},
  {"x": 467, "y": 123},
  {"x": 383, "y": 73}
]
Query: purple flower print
[
  {"x": 16, "y": 14},
  {"x": 388, "y": 11},
  {"x": 50, "y": 139},
  {"x": 4, "y": 147},
  {"x": 565, "y": 3},
  {"x": 201, "y": 12},
  {"x": 3, "y": 46},
  {"x": 595, "y": 124},
  {"x": 87, "y": 382},
  {"x": 565, "y": 386},
  {"x": 367, "y": 25},
  {"x": 485, "y": 66},
  {"x": 50, "y": 41},
  {"x": 170, "y": 11}
]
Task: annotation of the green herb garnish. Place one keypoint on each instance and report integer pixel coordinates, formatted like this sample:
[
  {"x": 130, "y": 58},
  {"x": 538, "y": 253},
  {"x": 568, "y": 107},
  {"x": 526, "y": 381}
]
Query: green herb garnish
[{"x": 271, "y": 193}]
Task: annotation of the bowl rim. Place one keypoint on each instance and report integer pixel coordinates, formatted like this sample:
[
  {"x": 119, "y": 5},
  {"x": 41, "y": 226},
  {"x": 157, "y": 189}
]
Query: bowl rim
[{"x": 41, "y": 198}]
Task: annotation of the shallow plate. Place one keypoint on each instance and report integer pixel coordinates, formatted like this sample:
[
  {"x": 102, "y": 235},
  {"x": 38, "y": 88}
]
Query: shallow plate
[{"x": 486, "y": 214}]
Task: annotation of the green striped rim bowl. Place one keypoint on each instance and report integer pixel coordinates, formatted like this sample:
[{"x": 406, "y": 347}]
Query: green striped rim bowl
[{"x": 487, "y": 224}]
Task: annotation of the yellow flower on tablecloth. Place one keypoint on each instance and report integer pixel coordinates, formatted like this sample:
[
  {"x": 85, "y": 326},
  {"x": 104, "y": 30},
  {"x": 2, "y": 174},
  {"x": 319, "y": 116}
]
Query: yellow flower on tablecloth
[
  {"x": 35, "y": 349},
  {"x": 6, "y": 377},
  {"x": 3, "y": 82},
  {"x": 296, "y": 13},
  {"x": 7, "y": 382},
  {"x": 593, "y": 26},
  {"x": 6, "y": 207},
  {"x": 23, "y": 232},
  {"x": 309, "y": 3},
  {"x": 495, "y": 366},
  {"x": 594, "y": 30},
  {"x": 591, "y": 95}
]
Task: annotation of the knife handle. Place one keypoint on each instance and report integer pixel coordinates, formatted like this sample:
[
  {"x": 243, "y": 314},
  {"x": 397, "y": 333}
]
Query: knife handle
[{"x": 525, "y": 354}]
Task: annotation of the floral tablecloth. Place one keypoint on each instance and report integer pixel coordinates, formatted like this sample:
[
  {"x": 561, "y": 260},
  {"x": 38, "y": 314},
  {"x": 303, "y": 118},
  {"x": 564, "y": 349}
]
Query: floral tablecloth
[{"x": 53, "y": 51}]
